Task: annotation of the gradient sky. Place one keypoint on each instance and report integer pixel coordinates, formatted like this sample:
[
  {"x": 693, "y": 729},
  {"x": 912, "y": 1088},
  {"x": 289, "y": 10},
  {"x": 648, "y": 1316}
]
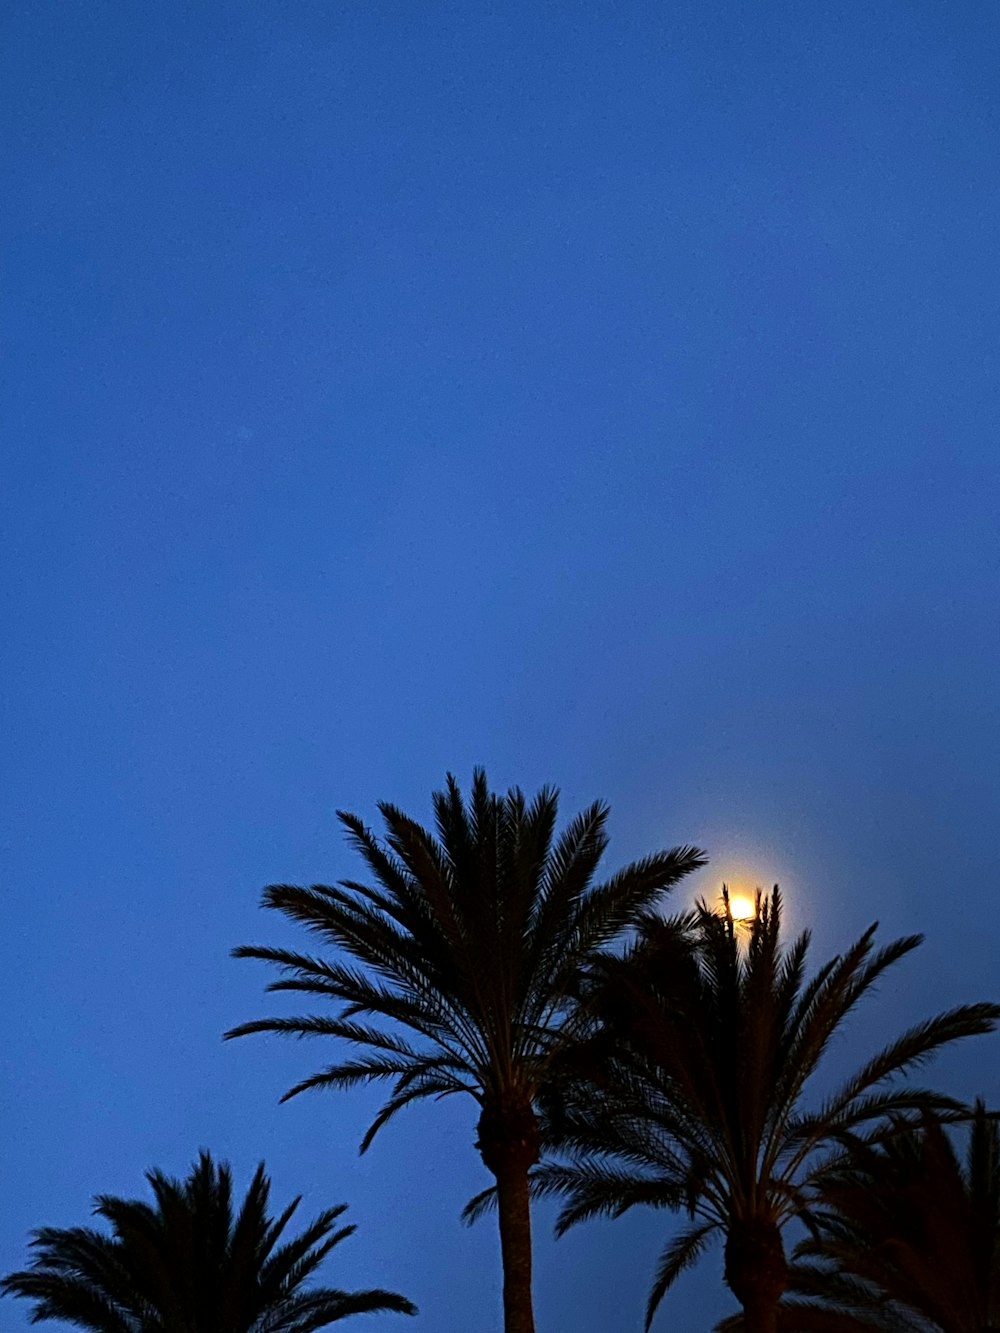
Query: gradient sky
[{"x": 602, "y": 392}]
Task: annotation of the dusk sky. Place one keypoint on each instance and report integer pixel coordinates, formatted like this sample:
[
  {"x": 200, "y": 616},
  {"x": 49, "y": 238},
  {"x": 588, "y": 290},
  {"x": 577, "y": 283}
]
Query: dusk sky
[{"x": 604, "y": 393}]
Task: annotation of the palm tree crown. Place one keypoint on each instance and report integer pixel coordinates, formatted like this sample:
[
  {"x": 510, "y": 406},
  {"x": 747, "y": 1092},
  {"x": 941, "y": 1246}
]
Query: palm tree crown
[
  {"x": 187, "y": 1264},
  {"x": 452, "y": 970},
  {"x": 905, "y": 1235},
  {"x": 689, "y": 1092}
]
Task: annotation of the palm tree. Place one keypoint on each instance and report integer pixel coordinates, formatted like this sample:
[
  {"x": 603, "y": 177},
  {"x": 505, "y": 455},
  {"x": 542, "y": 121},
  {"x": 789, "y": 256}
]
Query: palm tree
[
  {"x": 186, "y": 1264},
  {"x": 464, "y": 952},
  {"x": 689, "y": 1092},
  {"x": 904, "y": 1236}
]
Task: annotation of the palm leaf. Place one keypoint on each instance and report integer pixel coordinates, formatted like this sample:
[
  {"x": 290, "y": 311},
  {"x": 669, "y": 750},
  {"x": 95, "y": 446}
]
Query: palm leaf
[
  {"x": 682, "y": 1253},
  {"x": 187, "y": 1262}
]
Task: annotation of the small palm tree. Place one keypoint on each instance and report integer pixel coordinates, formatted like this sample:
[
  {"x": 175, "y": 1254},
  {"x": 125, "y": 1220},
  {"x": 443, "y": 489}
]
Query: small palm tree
[
  {"x": 689, "y": 1092},
  {"x": 186, "y": 1264},
  {"x": 464, "y": 952},
  {"x": 905, "y": 1236}
]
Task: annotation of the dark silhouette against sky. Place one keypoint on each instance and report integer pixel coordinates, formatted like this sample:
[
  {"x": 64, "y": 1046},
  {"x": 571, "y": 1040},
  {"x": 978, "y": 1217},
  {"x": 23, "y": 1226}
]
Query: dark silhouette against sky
[{"x": 602, "y": 393}]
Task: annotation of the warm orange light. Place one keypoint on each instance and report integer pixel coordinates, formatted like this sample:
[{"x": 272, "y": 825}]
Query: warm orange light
[{"x": 742, "y": 907}]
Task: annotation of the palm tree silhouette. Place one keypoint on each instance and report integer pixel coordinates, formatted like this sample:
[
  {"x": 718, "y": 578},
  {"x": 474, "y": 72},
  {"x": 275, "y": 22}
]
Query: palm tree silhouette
[
  {"x": 689, "y": 1092},
  {"x": 464, "y": 952},
  {"x": 905, "y": 1235},
  {"x": 188, "y": 1264}
]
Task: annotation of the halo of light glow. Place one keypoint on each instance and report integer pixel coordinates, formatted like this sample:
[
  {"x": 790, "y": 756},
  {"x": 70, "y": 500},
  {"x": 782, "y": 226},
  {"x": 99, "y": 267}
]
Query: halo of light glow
[{"x": 745, "y": 860}]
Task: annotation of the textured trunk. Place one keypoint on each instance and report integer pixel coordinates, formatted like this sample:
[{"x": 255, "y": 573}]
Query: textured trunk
[
  {"x": 508, "y": 1144},
  {"x": 515, "y": 1248},
  {"x": 760, "y": 1314},
  {"x": 756, "y": 1272}
]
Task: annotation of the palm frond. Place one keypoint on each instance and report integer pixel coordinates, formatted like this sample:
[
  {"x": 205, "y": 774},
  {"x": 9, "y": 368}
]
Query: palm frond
[
  {"x": 913, "y": 1048},
  {"x": 479, "y": 1205},
  {"x": 188, "y": 1262},
  {"x": 423, "y": 1085},
  {"x": 682, "y": 1253},
  {"x": 594, "y": 1187}
]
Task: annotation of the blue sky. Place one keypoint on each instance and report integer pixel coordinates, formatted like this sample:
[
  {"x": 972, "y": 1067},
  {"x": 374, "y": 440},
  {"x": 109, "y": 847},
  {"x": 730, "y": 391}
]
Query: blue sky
[{"x": 603, "y": 393}]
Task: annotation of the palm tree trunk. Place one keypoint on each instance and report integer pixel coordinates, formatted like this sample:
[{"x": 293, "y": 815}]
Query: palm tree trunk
[
  {"x": 515, "y": 1248},
  {"x": 756, "y": 1272},
  {"x": 509, "y": 1146},
  {"x": 760, "y": 1315}
]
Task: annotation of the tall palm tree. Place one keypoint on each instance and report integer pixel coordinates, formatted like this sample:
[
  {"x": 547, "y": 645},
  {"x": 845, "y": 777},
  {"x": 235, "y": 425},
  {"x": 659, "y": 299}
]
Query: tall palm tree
[
  {"x": 463, "y": 951},
  {"x": 905, "y": 1235},
  {"x": 187, "y": 1264},
  {"x": 690, "y": 1091}
]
